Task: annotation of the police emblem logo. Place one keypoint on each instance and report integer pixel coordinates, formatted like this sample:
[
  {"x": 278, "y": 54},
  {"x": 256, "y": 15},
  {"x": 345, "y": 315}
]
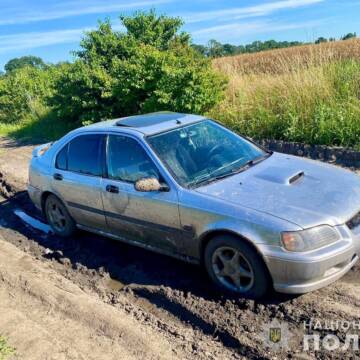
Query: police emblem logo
[{"x": 275, "y": 334}]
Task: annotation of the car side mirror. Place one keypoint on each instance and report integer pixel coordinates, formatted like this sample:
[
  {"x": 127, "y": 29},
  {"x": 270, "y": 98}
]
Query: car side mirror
[{"x": 150, "y": 184}]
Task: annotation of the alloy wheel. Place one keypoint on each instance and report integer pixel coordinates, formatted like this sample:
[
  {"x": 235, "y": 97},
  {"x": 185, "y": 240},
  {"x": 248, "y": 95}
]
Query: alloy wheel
[
  {"x": 56, "y": 216},
  {"x": 232, "y": 269}
]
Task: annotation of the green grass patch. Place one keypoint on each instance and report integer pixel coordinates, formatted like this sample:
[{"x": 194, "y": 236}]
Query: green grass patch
[
  {"x": 38, "y": 130},
  {"x": 5, "y": 349},
  {"x": 6, "y": 129}
]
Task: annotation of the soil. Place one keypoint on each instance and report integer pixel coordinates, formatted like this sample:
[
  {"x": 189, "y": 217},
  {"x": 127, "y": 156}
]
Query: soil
[{"x": 90, "y": 297}]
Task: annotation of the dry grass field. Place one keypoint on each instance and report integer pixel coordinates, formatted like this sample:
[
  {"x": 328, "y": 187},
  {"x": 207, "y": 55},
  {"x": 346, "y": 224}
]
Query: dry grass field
[
  {"x": 290, "y": 59},
  {"x": 308, "y": 93}
]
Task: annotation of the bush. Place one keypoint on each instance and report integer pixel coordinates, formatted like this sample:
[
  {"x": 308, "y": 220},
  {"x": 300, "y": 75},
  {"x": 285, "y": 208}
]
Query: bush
[
  {"x": 24, "y": 92},
  {"x": 151, "y": 67}
]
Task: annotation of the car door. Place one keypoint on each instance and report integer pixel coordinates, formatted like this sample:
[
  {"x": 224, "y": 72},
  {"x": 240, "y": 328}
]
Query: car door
[
  {"x": 77, "y": 177},
  {"x": 149, "y": 218}
]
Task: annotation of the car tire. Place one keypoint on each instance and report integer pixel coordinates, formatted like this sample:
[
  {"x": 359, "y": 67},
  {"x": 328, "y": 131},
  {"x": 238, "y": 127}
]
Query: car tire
[
  {"x": 236, "y": 268},
  {"x": 58, "y": 217}
]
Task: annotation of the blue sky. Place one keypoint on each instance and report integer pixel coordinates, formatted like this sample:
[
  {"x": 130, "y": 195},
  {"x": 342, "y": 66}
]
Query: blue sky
[{"x": 52, "y": 29}]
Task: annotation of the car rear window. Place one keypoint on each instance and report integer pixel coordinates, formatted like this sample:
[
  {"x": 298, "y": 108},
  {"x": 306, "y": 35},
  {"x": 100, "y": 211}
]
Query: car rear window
[
  {"x": 82, "y": 155},
  {"x": 61, "y": 159}
]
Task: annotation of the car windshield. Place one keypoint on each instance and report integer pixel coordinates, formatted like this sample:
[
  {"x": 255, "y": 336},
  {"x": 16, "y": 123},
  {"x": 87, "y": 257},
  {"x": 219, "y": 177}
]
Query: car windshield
[{"x": 203, "y": 152}]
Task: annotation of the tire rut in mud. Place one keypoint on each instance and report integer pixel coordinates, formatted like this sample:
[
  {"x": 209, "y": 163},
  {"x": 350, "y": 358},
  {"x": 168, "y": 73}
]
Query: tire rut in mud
[
  {"x": 174, "y": 297},
  {"x": 118, "y": 274}
]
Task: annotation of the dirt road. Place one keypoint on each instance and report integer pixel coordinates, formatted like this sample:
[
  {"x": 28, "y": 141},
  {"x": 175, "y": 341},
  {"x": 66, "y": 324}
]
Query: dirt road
[{"x": 90, "y": 297}]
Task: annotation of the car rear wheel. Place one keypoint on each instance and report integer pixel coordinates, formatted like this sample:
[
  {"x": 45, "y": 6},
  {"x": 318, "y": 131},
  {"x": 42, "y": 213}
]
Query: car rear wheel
[
  {"x": 235, "y": 267},
  {"x": 58, "y": 217}
]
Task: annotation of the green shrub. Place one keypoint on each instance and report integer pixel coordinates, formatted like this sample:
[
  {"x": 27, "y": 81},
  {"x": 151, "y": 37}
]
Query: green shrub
[
  {"x": 151, "y": 67},
  {"x": 24, "y": 93}
]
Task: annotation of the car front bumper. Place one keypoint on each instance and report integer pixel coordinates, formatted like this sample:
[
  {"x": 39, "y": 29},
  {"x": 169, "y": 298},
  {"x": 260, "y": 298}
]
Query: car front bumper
[{"x": 297, "y": 273}]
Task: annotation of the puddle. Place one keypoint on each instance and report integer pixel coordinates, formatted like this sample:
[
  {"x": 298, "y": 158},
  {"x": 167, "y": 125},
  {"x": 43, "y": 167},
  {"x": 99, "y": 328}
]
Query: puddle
[{"x": 36, "y": 224}]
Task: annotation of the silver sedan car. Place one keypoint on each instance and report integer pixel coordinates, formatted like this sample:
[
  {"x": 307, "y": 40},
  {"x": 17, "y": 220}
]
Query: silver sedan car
[{"x": 186, "y": 186}]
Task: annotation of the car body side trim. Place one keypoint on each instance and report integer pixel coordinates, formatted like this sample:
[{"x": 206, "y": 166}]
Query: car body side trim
[
  {"x": 185, "y": 258},
  {"x": 130, "y": 219}
]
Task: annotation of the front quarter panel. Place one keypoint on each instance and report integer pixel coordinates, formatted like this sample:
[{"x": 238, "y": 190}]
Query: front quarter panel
[{"x": 205, "y": 214}]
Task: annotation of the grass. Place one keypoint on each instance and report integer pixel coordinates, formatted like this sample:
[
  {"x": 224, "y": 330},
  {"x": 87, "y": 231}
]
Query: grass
[
  {"x": 36, "y": 129},
  {"x": 7, "y": 129},
  {"x": 5, "y": 349},
  {"x": 281, "y": 61},
  {"x": 308, "y": 94}
]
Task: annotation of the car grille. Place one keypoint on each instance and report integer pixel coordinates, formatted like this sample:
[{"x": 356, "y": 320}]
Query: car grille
[{"x": 354, "y": 222}]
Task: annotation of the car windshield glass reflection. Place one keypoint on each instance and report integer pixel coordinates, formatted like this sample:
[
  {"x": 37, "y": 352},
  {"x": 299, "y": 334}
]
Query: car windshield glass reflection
[{"x": 204, "y": 152}]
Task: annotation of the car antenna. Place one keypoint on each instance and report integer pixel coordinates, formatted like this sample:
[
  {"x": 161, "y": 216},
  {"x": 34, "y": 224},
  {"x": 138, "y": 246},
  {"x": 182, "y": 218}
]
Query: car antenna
[{"x": 178, "y": 121}]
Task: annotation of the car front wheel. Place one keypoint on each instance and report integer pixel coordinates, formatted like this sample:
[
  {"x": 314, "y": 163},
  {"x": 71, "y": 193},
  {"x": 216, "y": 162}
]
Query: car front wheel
[
  {"x": 58, "y": 217},
  {"x": 235, "y": 267}
]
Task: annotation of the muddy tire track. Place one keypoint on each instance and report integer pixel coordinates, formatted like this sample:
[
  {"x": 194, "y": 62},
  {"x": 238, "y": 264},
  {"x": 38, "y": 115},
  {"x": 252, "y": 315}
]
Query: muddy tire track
[
  {"x": 109, "y": 270},
  {"x": 176, "y": 298}
]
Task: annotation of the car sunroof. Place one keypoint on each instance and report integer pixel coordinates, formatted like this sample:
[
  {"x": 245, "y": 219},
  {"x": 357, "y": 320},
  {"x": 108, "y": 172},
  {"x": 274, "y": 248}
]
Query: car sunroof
[{"x": 149, "y": 119}]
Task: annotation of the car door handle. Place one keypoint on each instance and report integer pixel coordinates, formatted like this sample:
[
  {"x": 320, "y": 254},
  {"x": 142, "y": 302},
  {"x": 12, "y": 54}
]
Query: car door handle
[
  {"x": 112, "y": 189},
  {"x": 58, "y": 177}
]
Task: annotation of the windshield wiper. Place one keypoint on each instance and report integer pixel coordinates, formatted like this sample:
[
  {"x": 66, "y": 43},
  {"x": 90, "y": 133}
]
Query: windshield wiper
[
  {"x": 255, "y": 161},
  {"x": 243, "y": 167},
  {"x": 204, "y": 180},
  {"x": 209, "y": 178}
]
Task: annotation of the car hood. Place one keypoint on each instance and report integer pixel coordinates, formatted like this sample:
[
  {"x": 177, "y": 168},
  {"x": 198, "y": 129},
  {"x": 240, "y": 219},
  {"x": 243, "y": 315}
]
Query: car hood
[{"x": 302, "y": 191}]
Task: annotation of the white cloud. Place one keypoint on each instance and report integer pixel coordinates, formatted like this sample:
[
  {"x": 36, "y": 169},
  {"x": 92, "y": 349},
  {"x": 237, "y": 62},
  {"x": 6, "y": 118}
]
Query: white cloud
[
  {"x": 72, "y": 8},
  {"x": 250, "y": 11},
  {"x": 232, "y": 32},
  {"x": 226, "y": 32},
  {"x": 32, "y": 40}
]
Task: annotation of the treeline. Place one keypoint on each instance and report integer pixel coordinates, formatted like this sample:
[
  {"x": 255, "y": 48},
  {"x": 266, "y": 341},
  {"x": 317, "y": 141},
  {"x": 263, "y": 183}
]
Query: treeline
[
  {"x": 331, "y": 39},
  {"x": 149, "y": 67},
  {"x": 216, "y": 49}
]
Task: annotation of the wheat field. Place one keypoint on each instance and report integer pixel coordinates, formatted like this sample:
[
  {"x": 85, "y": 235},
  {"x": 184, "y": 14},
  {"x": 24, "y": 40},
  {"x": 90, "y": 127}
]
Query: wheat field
[
  {"x": 307, "y": 93},
  {"x": 290, "y": 59}
]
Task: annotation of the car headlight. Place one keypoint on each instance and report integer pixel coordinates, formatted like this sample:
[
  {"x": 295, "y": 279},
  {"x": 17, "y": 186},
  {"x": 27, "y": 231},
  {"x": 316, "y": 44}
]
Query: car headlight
[{"x": 309, "y": 239}]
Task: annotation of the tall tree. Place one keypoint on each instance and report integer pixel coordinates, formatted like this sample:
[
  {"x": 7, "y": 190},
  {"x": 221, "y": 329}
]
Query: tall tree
[
  {"x": 348, "y": 36},
  {"x": 320, "y": 40},
  {"x": 215, "y": 48},
  {"x": 18, "y": 63}
]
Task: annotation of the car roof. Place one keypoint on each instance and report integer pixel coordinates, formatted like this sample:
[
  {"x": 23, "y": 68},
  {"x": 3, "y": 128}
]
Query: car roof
[{"x": 147, "y": 124}]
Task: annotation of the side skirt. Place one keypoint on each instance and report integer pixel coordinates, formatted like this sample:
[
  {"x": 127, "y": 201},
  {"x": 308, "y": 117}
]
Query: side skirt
[{"x": 188, "y": 259}]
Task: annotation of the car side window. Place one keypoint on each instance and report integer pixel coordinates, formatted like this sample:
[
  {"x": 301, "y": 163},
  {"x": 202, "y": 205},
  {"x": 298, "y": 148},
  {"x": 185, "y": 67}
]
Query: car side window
[
  {"x": 61, "y": 158},
  {"x": 82, "y": 155},
  {"x": 127, "y": 160}
]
